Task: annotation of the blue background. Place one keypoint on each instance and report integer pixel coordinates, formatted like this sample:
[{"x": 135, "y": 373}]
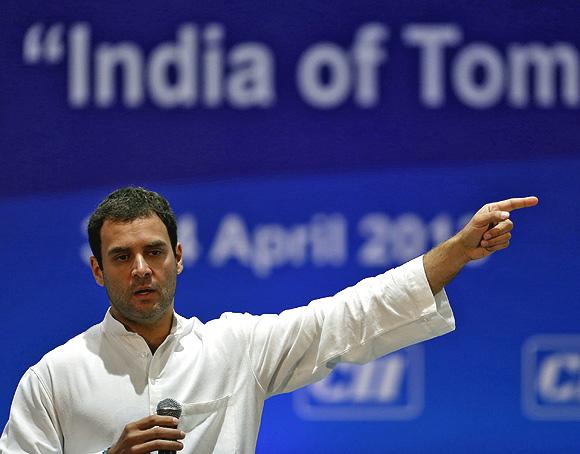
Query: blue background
[{"x": 284, "y": 164}]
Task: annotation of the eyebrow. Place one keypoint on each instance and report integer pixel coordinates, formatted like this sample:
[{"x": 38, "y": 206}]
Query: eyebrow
[
  {"x": 117, "y": 250},
  {"x": 125, "y": 249},
  {"x": 156, "y": 243}
]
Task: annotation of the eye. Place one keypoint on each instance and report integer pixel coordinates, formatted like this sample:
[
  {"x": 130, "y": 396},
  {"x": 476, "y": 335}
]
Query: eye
[
  {"x": 155, "y": 252},
  {"x": 122, "y": 258}
]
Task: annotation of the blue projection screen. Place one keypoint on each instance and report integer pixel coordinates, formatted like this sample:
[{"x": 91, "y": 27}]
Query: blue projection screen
[{"x": 303, "y": 147}]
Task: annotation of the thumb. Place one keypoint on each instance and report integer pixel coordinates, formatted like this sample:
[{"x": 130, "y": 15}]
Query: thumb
[{"x": 486, "y": 216}]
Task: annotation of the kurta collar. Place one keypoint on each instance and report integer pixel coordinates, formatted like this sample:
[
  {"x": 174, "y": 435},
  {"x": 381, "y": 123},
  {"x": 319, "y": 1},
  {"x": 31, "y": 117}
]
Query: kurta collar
[{"x": 180, "y": 326}]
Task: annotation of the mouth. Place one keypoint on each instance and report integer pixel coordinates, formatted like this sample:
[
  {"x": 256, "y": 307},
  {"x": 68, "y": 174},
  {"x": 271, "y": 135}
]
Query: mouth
[{"x": 144, "y": 291}]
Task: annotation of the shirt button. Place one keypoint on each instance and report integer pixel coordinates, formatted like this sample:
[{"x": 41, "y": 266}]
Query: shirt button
[{"x": 144, "y": 355}]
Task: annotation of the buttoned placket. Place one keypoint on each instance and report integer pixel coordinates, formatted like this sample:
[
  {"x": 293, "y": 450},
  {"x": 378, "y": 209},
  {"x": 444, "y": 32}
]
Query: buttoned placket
[
  {"x": 155, "y": 366},
  {"x": 149, "y": 365}
]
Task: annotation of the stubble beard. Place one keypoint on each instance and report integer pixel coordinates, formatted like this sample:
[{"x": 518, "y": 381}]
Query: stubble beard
[{"x": 121, "y": 302}]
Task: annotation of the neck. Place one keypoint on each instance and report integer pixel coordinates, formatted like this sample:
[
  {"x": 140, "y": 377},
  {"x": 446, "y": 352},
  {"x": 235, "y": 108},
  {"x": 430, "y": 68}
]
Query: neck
[{"x": 153, "y": 334}]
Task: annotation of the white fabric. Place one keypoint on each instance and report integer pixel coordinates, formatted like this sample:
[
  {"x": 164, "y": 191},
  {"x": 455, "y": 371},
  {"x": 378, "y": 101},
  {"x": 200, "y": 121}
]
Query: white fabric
[{"x": 79, "y": 397}]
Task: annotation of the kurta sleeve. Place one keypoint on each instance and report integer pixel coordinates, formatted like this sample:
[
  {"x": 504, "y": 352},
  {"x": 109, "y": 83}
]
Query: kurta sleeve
[
  {"x": 33, "y": 425},
  {"x": 361, "y": 323}
]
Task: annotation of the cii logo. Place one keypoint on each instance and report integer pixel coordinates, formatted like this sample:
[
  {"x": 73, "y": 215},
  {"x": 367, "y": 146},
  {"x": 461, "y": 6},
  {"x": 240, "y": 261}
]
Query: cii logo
[
  {"x": 389, "y": 388},
  {"x": 551, "y": 377}
]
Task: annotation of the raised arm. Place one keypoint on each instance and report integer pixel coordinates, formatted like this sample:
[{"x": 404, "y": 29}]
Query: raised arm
[{"x": 489, "y": 230}]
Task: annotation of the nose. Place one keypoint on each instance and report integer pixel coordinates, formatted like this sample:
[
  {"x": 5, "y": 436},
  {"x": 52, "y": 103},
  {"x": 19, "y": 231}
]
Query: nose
[{"x": 141, "y": 267}]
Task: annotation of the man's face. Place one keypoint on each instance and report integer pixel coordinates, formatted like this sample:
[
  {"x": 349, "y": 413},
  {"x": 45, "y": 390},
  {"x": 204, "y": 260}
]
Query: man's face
[{"x": 139, "y": 270}]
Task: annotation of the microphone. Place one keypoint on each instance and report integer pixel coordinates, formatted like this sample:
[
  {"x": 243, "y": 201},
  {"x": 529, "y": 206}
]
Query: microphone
[{"x": 169, "y": 407}]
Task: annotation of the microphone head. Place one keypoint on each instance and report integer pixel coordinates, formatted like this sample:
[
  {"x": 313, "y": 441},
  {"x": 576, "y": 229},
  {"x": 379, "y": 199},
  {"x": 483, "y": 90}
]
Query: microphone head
[{"x": 169, "y": 407}]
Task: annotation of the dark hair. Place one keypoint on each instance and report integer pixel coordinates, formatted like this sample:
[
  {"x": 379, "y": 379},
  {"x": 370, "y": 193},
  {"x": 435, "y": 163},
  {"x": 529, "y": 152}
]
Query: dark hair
[{"x": 126, "y": 205}]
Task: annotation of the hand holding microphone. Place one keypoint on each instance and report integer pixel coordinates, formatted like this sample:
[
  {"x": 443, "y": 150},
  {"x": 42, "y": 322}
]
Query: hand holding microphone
[{"x": 154, "y": 433}]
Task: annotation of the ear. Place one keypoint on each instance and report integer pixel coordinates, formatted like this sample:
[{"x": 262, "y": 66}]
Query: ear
[
  {"x": 97, "y": 272},
  {"x": 179, "y": 257}
]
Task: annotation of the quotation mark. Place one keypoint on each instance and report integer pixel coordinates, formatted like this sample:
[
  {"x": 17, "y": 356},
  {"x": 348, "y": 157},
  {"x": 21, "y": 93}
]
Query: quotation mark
[{"x": 42, "y": 44}]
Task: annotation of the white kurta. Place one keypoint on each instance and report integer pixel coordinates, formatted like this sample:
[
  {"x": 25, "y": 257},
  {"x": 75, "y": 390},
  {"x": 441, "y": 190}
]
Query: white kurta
[{"x": 79, "y": 397}]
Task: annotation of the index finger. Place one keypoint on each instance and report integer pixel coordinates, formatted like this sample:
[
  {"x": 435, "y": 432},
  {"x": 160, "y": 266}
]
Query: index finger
[
  {"x": 514, "y": 204},
  {"x": 155, "y": 420}
]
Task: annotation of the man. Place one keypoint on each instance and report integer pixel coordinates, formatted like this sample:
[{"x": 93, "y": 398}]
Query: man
[{"x": 99, "y": 391}]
